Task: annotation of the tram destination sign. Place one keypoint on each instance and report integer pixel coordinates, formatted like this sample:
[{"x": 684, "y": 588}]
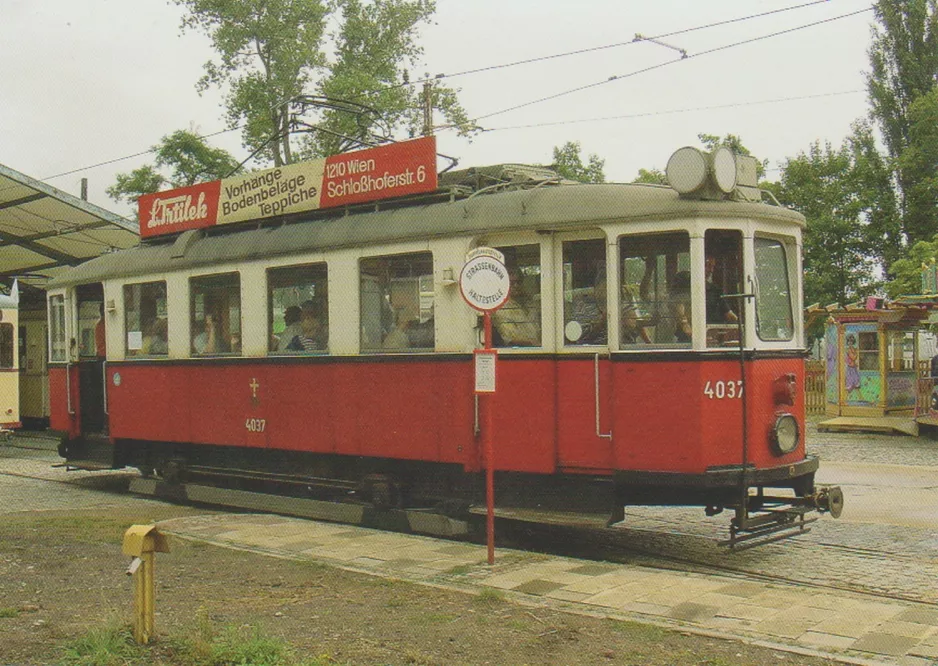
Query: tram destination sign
[{"x": 393, "y": 170}]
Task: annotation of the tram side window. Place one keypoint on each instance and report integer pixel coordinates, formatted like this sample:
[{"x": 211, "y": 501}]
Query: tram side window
[
  {"x": 145, "y": 322},
  {"x": 6, "y": 345},
  {"x": 57, "y": 345},
  {"x": 215, "y": 312},
  {"x": 723, "y": 261},
  {"x": 298, "y": 309},
  {"x": 655, "y": 290},
  {"x": 584, "y": 293},
  {"x": 774, "y": 319},
  {"x": 397, "y": 303},
  {"x": 518, "y": 322}
]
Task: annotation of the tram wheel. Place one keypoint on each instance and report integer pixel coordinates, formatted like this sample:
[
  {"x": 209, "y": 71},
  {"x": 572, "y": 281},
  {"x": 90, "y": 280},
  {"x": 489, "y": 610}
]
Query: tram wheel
[
  {"x": 382, "y": 491},
  {"x": 173, "y": 471}
]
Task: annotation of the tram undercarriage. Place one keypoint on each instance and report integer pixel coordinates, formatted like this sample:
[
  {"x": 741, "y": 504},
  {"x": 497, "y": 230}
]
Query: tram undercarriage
[{"x": 768, "y": 504}]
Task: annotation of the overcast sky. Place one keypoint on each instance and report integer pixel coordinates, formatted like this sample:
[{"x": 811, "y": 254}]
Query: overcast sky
[{"x": 90, "y": 81}]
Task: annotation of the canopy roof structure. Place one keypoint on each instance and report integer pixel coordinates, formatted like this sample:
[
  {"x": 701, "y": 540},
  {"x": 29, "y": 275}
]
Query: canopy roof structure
[{"x": 44, "y": 230}]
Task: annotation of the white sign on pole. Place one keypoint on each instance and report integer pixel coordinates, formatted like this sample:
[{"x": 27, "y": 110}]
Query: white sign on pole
[
  {"x": 485, "y": 370},
  {"x": 484, "y": 281}
]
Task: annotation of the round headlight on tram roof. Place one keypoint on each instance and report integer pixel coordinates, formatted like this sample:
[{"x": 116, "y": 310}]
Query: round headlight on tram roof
[
  {"x": 724, "y": 169},
  {"x": 786, "y": 434},
  {"x": 687, "y": 170}
]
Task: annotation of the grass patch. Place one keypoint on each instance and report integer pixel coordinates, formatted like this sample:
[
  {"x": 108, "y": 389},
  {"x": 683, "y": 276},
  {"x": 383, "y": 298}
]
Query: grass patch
[
  {"x": 111, "y": 645},
  {"x": 460, "y": 570},
  {"x": 87, "y": 526},
  {"x": 9, "y": 612},
  {"x": 245, "y": 646},
  {"x": 437, "y": 618},
  {"x": 380, "y": 581},
  {"x": 648, "y": 632},
  {"x": 490, "y": 596}
]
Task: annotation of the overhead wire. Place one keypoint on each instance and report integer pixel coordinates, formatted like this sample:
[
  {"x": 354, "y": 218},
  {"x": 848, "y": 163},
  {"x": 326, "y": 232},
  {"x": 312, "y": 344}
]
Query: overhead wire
[
  {"x": 128, "y": 157},
  {"x": 672, "y": 111},
  {"x": 592, "y": 49},
  {"x": 667, "y": 63}
]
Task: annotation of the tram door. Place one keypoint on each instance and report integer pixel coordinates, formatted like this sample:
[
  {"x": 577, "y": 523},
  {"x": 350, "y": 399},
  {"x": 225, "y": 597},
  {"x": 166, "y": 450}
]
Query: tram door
[
  {"x": 584, "y": 373},
  {"x": 90, "y": 339}
]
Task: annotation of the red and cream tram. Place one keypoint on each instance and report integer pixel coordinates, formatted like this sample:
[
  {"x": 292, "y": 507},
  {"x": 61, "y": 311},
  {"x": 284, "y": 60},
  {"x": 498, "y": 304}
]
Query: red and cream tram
[
  {"x": 306, "y": 323},
  {"x": 9, "y": 359}
]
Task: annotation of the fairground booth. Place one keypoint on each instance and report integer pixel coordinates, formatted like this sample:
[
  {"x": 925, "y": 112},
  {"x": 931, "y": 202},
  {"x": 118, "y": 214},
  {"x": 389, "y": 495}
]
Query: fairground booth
[{"x": 872, "y": 364}]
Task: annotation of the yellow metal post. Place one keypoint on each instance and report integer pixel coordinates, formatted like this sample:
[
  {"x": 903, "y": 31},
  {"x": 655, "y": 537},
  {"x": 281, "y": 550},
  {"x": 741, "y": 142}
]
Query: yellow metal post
[{"x": 141, "y": 542}]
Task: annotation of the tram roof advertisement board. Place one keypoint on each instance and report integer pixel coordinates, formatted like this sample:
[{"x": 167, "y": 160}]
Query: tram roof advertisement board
[{"x": 397, "y": 169}]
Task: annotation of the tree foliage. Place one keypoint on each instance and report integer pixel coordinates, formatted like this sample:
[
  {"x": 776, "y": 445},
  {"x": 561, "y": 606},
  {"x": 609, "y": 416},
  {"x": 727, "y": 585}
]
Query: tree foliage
[
  {"x": 831, "y": 188},
  {"x": 907, "y": 272},
  {"x": 182, "y": 158},
  {"x": 653, "y": 176},
  {"x": 711, "y": 142},
  {"x": 569, "y": 164},
  {"x": 904, "y": 60},
  {"x": 375, "y": 41},
  {"x": 918, "y": 164},
  {"x": 284, "y": 73}
]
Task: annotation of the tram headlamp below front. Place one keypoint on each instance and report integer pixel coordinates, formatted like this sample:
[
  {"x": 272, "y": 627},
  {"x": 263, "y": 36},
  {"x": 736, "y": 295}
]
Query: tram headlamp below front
[{"x": 786, "y": 435}]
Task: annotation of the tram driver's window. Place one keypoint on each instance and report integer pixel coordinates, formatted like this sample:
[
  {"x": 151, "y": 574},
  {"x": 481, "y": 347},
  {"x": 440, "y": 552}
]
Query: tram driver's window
[
  {"x": 215, "y": 314},
  {"x": 584, "y": 293},
  {"x": 397, "y": 303},
  {"x": 298, "y": 313},
  {"x": 655, "y": 291},
  {"x": 518, "y": 322},
  {"x": 774, "y": 320},
  {"x": 146, "y": 326},
  {"x": 722, "y": 263}
]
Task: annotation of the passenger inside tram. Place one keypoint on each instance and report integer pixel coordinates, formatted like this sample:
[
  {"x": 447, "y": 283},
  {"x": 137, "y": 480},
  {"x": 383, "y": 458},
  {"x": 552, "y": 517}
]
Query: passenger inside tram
[
  {"x": 632, "y": 331},
  {"x": 206, "y": 340},
  {"x": 722, "y": 261},
  {"x": 680, "y": 307},
  {"x": 397, "y": 337},
  {"x": 589, "y": 311},
  {"x": 291, "y": 318},
  {"x": 655, "y": 290},
  {"x": 314, "y": 331},
  {"x": 518, "y": 322},
  {"x": 155, "y": 340}
]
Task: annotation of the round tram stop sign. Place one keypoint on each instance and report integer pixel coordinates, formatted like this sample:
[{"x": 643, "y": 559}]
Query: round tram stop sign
[{"x": 484, "y": 281}]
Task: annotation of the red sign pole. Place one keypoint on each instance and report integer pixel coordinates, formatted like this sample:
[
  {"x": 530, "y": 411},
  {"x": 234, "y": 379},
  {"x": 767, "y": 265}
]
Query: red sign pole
[
  {"x": 485, "y": 410},
  {"x": 484, "y": 284}
]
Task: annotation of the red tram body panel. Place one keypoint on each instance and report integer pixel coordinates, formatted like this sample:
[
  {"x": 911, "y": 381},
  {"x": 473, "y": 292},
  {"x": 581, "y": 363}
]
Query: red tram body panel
[{"x": 662, "y": 403}]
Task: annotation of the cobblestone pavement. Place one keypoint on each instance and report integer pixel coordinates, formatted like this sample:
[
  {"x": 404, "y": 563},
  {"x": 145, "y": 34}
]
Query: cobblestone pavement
[
  {"x": 871, "y": 448},
  {"x": 31, "y": 458}
]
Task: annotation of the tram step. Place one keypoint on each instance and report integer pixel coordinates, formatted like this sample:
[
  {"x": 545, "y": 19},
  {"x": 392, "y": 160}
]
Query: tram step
[
  {"x": 578, "y": 519},
  {"x": 406, "y": 520}
]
